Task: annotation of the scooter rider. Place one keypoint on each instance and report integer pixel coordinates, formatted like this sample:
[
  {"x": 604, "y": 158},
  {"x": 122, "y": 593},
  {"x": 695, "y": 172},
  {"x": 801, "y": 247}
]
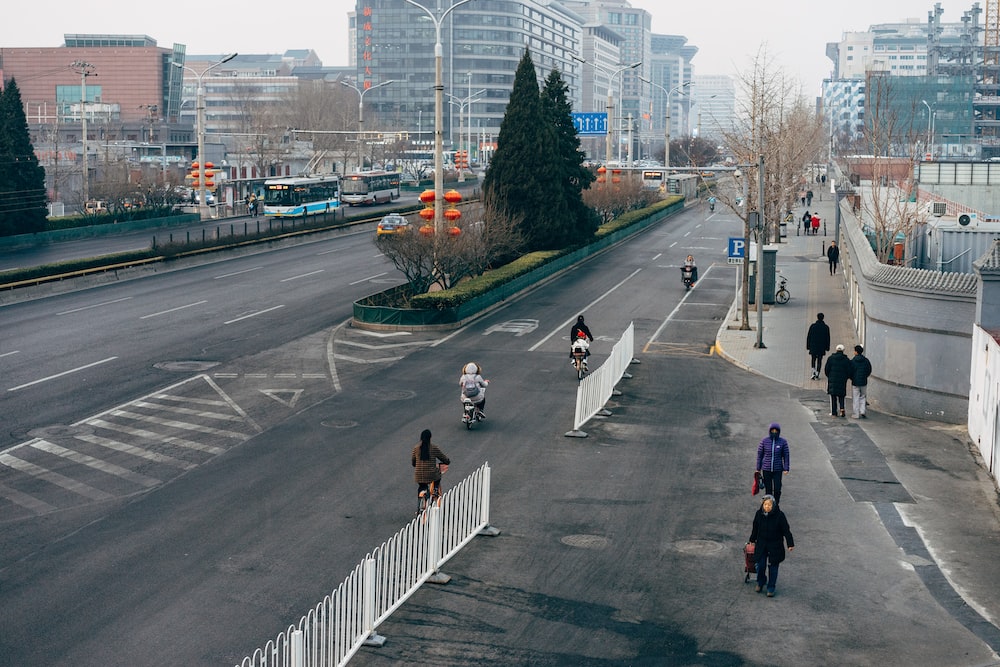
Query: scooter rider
[
  {"x": 473, "y": 385},
  {"x": 574, "y": 334},
  {"x": 689, "y": 265},
  {"x": 581, "y": 345},
  {"x": 711, "y": 203}
]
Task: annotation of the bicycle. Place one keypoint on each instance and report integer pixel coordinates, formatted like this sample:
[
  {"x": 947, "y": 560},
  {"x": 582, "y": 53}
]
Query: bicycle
[
  {"x": 782, "y": 295},
  {"x": 429, "y": 493}
]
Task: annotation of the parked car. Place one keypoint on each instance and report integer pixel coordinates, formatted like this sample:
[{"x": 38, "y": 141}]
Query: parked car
[{"x": 393, "y": 223}]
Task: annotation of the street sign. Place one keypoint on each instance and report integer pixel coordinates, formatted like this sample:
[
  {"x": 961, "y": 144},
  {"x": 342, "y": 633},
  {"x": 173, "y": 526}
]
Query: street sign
[
  {"x": 737, "y": 249},
  {"x": 591, "y": 124}
]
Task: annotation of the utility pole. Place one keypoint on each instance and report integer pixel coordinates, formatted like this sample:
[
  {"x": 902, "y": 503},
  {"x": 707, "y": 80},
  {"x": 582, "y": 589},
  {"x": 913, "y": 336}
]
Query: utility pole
[
  {"x": 761, "y": 227},
  {"x": 85, "y": 69}
]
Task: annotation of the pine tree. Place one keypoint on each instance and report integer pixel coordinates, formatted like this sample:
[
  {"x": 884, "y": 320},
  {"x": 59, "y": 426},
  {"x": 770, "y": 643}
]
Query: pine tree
[
  {"x": 22, "y": 179},
  {"x": 572, "y": 176}
]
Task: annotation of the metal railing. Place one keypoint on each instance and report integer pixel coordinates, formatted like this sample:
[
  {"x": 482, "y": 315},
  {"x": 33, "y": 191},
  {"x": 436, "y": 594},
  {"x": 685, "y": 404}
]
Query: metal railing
[
  {"x": 331, "y": 633},
  {"x": 596, "y": 388}
]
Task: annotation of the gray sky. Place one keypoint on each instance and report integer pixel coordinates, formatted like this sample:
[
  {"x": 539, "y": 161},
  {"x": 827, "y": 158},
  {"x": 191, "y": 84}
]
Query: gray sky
[{"x": 728, "y": 33}]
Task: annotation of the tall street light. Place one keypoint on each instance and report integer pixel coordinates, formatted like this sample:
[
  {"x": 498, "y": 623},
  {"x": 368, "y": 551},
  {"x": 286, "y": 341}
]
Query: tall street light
[
  {"x": 611, "y": 103},
  {"x": 438, "y": 106},
  {"x": 361, "y": 116},
  {"x": 930, "y": 127},
  {"x": 666, "y": 127},
  {"x": 85, "y": 70},
  {"x": 463, "y": 103},
  {"x": 200, "y": 119}
]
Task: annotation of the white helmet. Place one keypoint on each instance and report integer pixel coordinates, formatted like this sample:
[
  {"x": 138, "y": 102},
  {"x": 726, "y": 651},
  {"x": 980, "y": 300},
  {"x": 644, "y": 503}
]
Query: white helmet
[{"x": 472, "y": 368}]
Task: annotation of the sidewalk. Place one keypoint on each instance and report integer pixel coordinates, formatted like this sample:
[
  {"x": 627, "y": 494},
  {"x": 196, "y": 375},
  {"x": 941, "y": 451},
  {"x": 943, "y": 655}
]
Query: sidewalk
[{"x": 953, "y": 508}]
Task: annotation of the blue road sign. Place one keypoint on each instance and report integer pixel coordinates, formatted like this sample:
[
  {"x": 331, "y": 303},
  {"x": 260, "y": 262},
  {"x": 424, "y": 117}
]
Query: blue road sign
[
  {"x": 737, "y": 247},
  {"x": 591, "y": 124}
]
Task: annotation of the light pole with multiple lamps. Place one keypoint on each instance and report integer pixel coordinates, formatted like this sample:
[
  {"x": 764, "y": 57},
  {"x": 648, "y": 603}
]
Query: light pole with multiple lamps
[
  {"x": 361, "y": 116},
  {"x": 611, "y": 102},
  {"x": 666, "y": 129},
  {"x": 464, "y": 103},
  {"x": 200, "y": 119},
  {"x": 438, "y": 106}
]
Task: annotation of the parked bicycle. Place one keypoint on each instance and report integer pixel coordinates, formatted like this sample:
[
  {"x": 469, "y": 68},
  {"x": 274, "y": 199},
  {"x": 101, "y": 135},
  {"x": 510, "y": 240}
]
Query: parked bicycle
[{"x": 782, "y": 295}]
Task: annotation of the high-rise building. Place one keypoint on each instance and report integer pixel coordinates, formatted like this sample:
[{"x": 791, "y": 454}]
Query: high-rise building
[{"x": 714, "y": 110}]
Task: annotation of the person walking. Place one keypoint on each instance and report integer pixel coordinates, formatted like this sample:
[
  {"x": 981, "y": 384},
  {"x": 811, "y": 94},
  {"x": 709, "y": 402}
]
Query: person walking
[
  {"x": 806, "y": 222},
  {"x": 809, "y": 197},
  {"x": 861, "y": 368},
  {"x": 817, "y": 344},
  {"x": 772, "y": 460},
  {"x": 838, "y": 371},
  {"x": 815, "y": 224},
  {"x": 426, "y": 472},
  {"x": 769, "y": 535},
  {"x": 833, "y": 255}
]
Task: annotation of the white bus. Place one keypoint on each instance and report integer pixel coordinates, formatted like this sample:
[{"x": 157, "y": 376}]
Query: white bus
[
  {"x": 300, "y": 196},
  {"x": 369, "y": 187}
]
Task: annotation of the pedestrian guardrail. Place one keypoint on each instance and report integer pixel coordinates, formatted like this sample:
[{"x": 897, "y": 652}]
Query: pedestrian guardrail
[
  {"x": 595, "y": 389},
  {"x": 332, "y": 632}
]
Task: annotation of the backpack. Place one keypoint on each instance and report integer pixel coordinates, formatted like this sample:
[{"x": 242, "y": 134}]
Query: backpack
[{"x": 471, "y": 388}]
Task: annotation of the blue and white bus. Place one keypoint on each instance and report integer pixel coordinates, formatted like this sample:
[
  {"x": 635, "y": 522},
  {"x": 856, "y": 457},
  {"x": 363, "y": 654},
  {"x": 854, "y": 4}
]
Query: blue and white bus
[
  {"x": 369, "y": 187},
  {"x": 300, "y": 196}
]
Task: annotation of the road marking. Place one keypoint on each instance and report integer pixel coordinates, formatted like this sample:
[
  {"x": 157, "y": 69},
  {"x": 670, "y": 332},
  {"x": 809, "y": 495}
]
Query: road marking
[
  {"x": 673, "y": 312},
  {"x": 96, "y": 305},
  {"x": 76, "y": 487},
  {"x": 356, "y": 360},
  {"x": 249, "y": 315},
  {"x": 184, "y": 426},
  {"x": 387, "y": 346},
  {"x": 96, "y": 464},
  {"x": 377, "y": 275},
  {"x": 156, "y": 437},
  {"x": 237, "y": 273},
  {"x": 172, "y": 310},
  {"x": 303, "y": 275},
  {"x": 516, "y": 327},
  {"x": 59, "y": 375},
  {"x": 290, "y": 402},
  {"x": 26, "y": 501},
  {"x": 384, "y": 334},
  {"x": 136, "y": 451},
  {"x": 7, "y": 354},
  {"x": 186, "y": 411}
]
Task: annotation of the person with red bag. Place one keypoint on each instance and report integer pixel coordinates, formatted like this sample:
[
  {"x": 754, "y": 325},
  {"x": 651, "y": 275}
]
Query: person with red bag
[{"x": 773, "y": 460}]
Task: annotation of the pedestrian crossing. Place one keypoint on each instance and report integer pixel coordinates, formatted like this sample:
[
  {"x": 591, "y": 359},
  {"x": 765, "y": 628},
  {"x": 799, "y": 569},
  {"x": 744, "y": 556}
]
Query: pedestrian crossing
[{"x": 126, "y": 450}]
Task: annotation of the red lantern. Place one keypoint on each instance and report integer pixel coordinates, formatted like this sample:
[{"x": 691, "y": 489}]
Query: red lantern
[
  {"x": 600, "y": 179},
  {"x": 454, "y": 231},
  {"x": 615, "y": 179},
  {"x": 452, "y": 214},
  {"x": 427, "y": 214},
  {"x": 602, "y": 170},
  {"x": 453, "y": 196},
  {"x": 427, "y": 197},
  {"x": 427, "y": 230}
]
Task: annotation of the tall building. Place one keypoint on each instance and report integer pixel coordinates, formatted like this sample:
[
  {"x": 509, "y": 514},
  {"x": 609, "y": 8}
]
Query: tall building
[
  {"x": 714, "y": 110},
  {"x": 670, "y": 70}
]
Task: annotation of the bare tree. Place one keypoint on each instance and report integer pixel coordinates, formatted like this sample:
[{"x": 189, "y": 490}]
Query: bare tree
[{"x": 611, "y": 199}]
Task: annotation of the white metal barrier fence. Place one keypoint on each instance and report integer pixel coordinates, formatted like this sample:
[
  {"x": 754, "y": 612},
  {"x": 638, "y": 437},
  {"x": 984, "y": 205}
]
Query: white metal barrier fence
[
  {"x": 594, "y": 390},
  {"x": 331, "y": 633}
]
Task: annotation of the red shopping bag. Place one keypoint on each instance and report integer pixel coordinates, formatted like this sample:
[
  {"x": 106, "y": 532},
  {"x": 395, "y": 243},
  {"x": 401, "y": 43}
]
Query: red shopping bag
[{"x": 757, "y": 484}]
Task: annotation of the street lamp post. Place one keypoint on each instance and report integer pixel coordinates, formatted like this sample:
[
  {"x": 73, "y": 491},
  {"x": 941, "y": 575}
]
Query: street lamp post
[
  {"x": 200, "y": 121},
  {"x": 611, "y": 103},
  {"x": 930, "y": 128},
  {"x": 462, "y": 104},
  {"x": 438, "y": 107},
  {"x": 361, "y": 116},
  {"x": 666, "y": 129}
]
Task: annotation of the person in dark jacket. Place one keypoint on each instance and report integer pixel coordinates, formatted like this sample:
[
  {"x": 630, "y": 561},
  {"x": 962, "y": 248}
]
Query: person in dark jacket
[
  {"x": 833, "y": 255},
  {"x": 424, "y": 459},
  {"x": 773, "y": 460},
  {"x": 818, "y": 344},
  {"x": 769, "y": 535},
  {"x": 861, "y": 368},
  {"x": 838, "y": 371},
  {"x": 574, "y": 330}
]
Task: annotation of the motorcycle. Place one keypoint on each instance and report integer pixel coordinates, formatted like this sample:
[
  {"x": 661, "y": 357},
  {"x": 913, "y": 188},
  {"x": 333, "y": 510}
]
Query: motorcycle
[
  {"x": 471, "y": 413},
  {"x": 687, "y": 275},
  {"x": 580, "y": 361}
]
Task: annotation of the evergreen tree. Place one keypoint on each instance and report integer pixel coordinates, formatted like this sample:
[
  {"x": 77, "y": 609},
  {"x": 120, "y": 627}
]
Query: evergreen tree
[
  {"x": 519, "y": 181},
  {"x": 22, "y": 179},
  {"x": 571, "y": 175}
]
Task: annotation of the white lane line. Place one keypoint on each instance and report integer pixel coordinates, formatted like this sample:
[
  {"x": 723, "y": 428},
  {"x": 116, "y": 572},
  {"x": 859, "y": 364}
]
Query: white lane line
[
  {"x": 184, "y": 426},
  {"x": 25, "y": 501},
  {"x": 96, "y": 305},
  {"x": 377, "y": 275},
  {"x": 237, "y": 273},
  {"x": 138, "y": 452},
  {"x": 59, "y": 375},
  {"x": 76, "y": 487},
  {"x": 573, "y": 319},
  {"x": 188, "y": 399},
  {"x": 304, "y": 275},
  {"x": 384, "y": 334},
  {"x": 249, "y": 315},
  {"x": 172, "y": 310},
  {"x": 97, "y": 464},
  {"x": 673, "y": 312},
  {"x": 156, "y": 437},
  {"x": 356, "y": 360},
  {"x": 327, "y": 252},
  {"x": 7, "y": 354}
]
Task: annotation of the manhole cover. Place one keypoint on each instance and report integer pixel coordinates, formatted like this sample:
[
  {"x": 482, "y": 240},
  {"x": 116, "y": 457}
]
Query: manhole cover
[
  {"x": 61, "y": 431},
  {"x": 333, "y": 423},
  {"x": 398, "y": 395},
  {"x": 185, "y": 366},
  {"x": 699, "y": 547},
  {"x": 585, "y": 541}
]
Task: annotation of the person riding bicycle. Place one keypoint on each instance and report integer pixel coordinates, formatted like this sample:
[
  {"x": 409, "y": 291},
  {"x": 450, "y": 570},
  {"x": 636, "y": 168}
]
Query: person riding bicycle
[
  {"x": 474, "y": 386},
  {"x": 574, "y": 334},
  {"x": 689, "y": 265},
  {"x": 580, "y": 345},
  {"x": 426, "y": 469}
]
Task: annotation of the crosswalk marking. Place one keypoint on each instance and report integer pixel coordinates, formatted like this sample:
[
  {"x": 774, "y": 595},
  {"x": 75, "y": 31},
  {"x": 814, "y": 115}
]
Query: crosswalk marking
[
  {"x": 186, "y": 426},
  {"x": 96, "y": 464},
  {"x": 26, "y": 501},
  {"x": 156, "y": 437},
  {"x": 136, "y": 451},
  {"x": 53, "y": 478},
  {"x": 187, "y": 411}
]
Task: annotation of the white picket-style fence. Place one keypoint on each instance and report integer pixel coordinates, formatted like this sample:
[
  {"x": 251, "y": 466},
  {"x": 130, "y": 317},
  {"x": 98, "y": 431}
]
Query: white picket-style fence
[
  {"x": 595, "y": 389},
  {"x": 346, "y": 620}
]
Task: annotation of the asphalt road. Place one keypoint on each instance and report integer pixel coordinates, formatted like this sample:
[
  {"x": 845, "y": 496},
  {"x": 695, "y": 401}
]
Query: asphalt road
[{"x": 622, "y": 548}]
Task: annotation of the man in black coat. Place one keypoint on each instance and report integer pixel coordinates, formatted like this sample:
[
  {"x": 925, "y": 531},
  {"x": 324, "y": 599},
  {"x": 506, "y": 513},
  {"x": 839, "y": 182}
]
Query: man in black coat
[
  {"x": 818, "y": 344},
  {"x": 861, "y": 368},
  {"x": 838, "y": 371},
  {"x": 833, "y": 254}
]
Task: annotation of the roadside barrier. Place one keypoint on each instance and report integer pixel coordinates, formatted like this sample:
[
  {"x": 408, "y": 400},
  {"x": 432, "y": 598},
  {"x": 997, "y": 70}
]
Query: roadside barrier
[
  {"x": 332, "y": 632},
  {"x": 596, "y": 388}
]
